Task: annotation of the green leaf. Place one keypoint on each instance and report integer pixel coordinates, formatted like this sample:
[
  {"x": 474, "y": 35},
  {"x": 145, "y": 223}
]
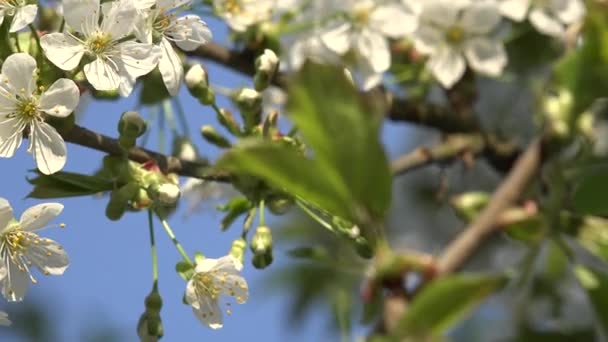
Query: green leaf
[
  {"x": 593, "y": 235},
  {"x": 184, "y": 269},
  {"x": 68, "y": 184},
  {"x": 235, "y": 207},
  {"x": 596, "y": 285},
  {"x": 585, "y": 70},
  {"x": 444, "y": 302},
  {"x": 589, "y": 197},
  {"x": 284, "y": 167},
  {"x": 343, "y": 136}
]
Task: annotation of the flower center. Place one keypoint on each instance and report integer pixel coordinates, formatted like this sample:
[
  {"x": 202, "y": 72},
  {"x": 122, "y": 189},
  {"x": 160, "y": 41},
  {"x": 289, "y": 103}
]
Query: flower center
[
  {"x": 361, "y": 15},
  {"x": 454, "y": 35},
  {"x": 205, "y": 285},
  {"x": 162, "y": 21},
  {"x": 232, "y": 6},
  {"x": 28, "y": 109},
  {"x": 10, "y": 5},
  {"x": 99, "y": 42}
]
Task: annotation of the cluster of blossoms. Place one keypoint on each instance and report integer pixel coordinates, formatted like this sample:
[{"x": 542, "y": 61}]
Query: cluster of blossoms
[{"x": 452, "y": 33}]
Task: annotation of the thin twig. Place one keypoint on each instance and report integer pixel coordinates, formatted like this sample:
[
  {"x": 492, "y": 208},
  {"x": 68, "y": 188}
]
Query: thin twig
[
  {"x": 464, "y": 246},
  {"x": 197, "y": 169}
]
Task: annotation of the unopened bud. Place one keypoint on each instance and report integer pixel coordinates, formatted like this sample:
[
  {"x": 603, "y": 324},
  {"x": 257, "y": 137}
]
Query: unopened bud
[
  {"x": 468, "y": 205},
  {"x": 280, "y": 205},
  {"x": 184, "y": 149},
  {"x": 198, "y": 85},
  {"x": 266, "y": 66},
  {"x": 150, "y": 327},
  {"x": 214, "y": 137},
  {"x": 168, "y": 194},
  {"x": 131, "y": 125},
  {"x": 249, "y": 102},
  {"x": 264, "y": 260},
  {"x": 227, "y": 120},
  {"x": 237, "y": 249},
  {"x": 153, "y": 302},
  {"x": 261, "y": 242},
  {"x": 119, "y": 200}
]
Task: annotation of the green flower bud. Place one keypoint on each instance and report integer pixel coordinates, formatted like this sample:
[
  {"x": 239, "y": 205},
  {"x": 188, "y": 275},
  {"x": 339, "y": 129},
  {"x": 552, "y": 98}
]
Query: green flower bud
[
  {"x": 119, "y": 200},
  {"x": 153, "y": 302},
  {"x": 249, "y": 102},
  {"x": 227, "y": 120},
  {"x": 198, "y": 85},
  {"x": 261, "y": 261},
  {"x": 183, "y": 148},
  {"x": 279, "y": 205},
  {"x": 165, "y": 194},
  {"x": 131, "y": 125},
  {"x": 468, "y": 205},
  {"x": 261, "y": 242},
  {"x": 266, "y": 66},
  {"x": 214, "y": 137},
  {"x": 150, "y": 327},
  {"x": 237, "y": 250}
]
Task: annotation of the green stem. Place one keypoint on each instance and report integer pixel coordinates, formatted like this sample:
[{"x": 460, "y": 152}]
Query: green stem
[
  {"x": 153, "y": 250},
  {"x": 37, "y": 38},
  {"x": 168, "y": 109},
  {"x": 216, "y": 109},
  {"x": 262, "y": 220},
  {"x": 179, "y": 247},
  {"x": 314, "y": 216},
  {"x": 62, "y": 25},
  {"x": 181, "y": 116},
  {"x": 17, "y": 45}
]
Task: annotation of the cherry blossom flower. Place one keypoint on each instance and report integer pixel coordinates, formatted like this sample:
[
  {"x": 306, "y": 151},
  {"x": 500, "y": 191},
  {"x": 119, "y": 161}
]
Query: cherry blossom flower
[
  {"x": 547, "y": 16},
  {"x": 240, "y": 14},
  {"x": 187, "y": 32},
  {"x": 456, "y": 32},
  {"x": 22, "y": 13},
  {"x": 365, "y": 31},
  {"x": 22, "y": 107},
  {"x": 116, "y": 61},
  {"x": 21, "y": 247},
  {"x": 214, "y": 278}
]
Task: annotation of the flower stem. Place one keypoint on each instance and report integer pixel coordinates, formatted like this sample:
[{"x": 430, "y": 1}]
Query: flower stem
[
  {"x": 37, "y": 38},
  {"x": 179, "y": 247},
  {"x": 262, "y": 220},
  {"x": 181, "y": 116},
  {"x": 153, "y": 249},
  {"x": 314, "y": 216},
  {"x": 17, "y": 45}
]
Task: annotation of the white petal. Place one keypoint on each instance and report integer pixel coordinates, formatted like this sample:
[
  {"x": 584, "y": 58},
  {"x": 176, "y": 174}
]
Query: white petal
[
  {"x": 143, "y": 4},
  {"x": 81, "y": 15},
  {"x": 374, "y": 49},
  {"x": 10, "y": 136},
  {"x": 49, "y": 257},
  {"x": 19, "y": 69},
  {"x": 4, "y": 321},
  {"x": 24, "y": 16},
  {"x": 127, "y": 83},
  {"x": 368, "y": 77},
  {"x": 514, "y": 9},
  {"x": 138, "y": 59},
  {"x": 209, "y": 313},
  {"x": 441, "y": 13},
  {"x": 191, "y": 297},
  {"x": 38, "y": 216},
  {"x": 480, "y": 18},
  {"x": 486, "y": 56},
  {"x": 62, "y": 50},
  {"x": 6, "y": 214},
  {"x": 205, "y": 265},
  {"x": 102, "y": 75},
  {"x": 15, "y": 284},
  {"x": 545, "y": 23},
  {"x": 337, "y": 38},
  {"x": 428, "y": 38},
  {"x": 171, "y": 4},
  {"x": 47, "y": 147},
  {"x": 393, "y": 20},
  {"x": 190, "y": 32},
  {"x": 447, "y": 65},
  {"x": 118, "y": 18},
  {"x": 1, "y": 17},
  {"x": 571, "y": 12},
  {"x": 8, "y": 99},
  {"x": 170, "y": 67},
  {"x": 61, "y": 98}
]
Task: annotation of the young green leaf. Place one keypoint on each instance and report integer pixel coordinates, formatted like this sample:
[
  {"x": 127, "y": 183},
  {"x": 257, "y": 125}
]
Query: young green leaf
[{"x": 596, "y": 285}]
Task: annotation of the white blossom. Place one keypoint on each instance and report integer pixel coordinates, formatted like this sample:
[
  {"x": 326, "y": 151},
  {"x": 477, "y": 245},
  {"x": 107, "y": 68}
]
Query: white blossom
[
  {"x": 267, "y": 62},
  {"x": 22, "y": 13},
  {"x": 214, "y": 278},
  {"x": 115, "y": 62},
  {"x": 240, "y": 14},
  {"x": 4, "y": 319},
  {"x": 547, "y": 16},
  {"x": 456, "y": 32},
  {"x": 187, "y": 32},
  {"x": 365, "y": 31},
  {"x": 22, "y": 107},
  {"x": 21, "y": 248}
]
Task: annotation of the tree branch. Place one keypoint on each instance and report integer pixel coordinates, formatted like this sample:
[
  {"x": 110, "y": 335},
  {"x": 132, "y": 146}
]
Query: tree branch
[
  {"x": 464, "y": 246},
  {"x": 197, "y": 169}
]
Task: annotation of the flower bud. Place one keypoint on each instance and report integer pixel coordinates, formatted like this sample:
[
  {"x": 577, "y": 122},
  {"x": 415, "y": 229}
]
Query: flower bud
[
  {"x": 214, "y": 137},
  {"x": 227, "y": 120},
  {"x": 237, "y": 250},
  {"x": 279, "y": 205},
  {"x": 153, "y": 302},
  {"x": 261, "y": 240},
  {"x": 264, "y": 260},
  {"x": 266, "y": 66},
  {"x": 119, "y": 200},
  {"x": 468, "y": 205},
  {"x": 184, "y": 149},
  {"x": 150, "y": 327},
  {"x": 168, "y": 194},
  {"x": 131, "y": 125},
  {"x": 198, "y": 85},
  {"x": 249, "y": 102}
]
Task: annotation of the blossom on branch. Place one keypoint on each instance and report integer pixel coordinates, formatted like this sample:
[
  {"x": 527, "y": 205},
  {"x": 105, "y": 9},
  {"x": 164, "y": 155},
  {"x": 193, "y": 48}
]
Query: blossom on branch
[
  {"x": 22, "y": 13},
  {"x": 114, "y": 60},
  {"x": 161, "y": 25},
  {"x": 21, "y": 247},
  {"x": 240, "y": 14},
  {"x": 214, "y": 278},
  {"x": 455, "y": 33},
  {"x": 23, "y": 108},
  {"x": 548, "y": 17}
]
